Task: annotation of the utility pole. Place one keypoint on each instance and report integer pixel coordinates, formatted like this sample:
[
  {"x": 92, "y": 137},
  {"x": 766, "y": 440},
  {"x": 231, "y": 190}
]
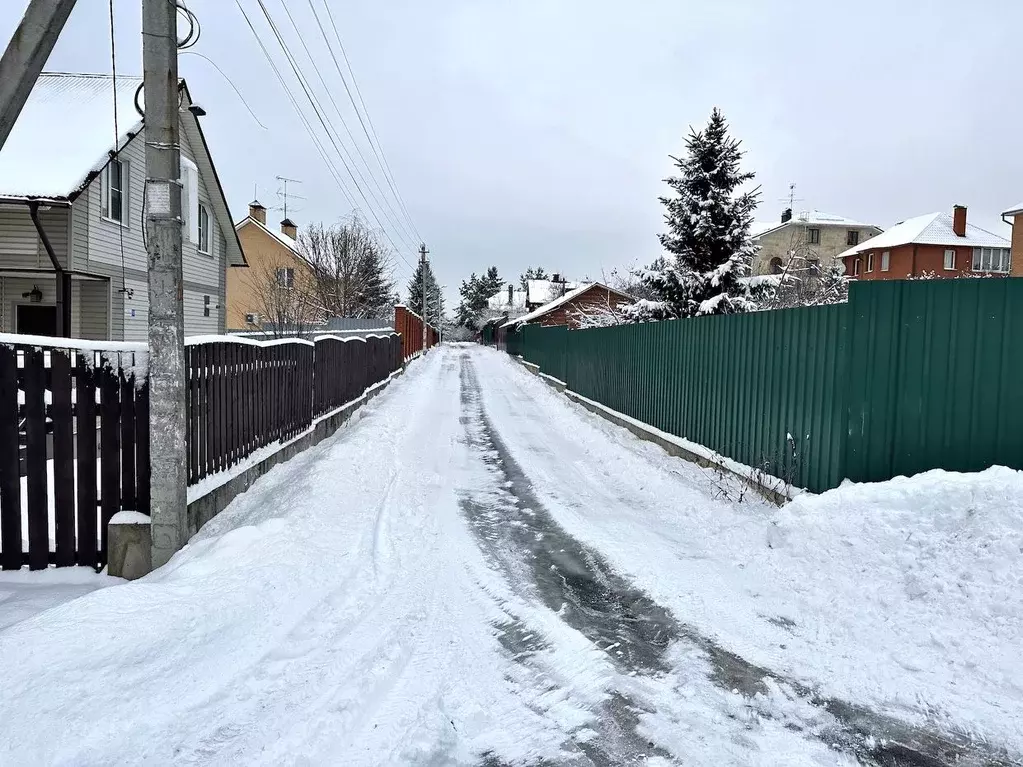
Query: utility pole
[
  {"x": 26, "y": 55},
  {"x": 169, "y": 517},
  {"x": 422, "y": 267}
]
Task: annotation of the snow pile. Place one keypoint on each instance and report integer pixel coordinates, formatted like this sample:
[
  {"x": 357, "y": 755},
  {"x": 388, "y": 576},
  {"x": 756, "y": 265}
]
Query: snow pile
[
  {"x": 905, "y": 596},
  {"x": 24, "y": 594}
]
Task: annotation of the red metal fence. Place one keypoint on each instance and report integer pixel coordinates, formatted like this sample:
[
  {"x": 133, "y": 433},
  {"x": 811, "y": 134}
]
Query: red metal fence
[
  {"x": 74, "y": 425},
  {"x": 410, "y": 326}
]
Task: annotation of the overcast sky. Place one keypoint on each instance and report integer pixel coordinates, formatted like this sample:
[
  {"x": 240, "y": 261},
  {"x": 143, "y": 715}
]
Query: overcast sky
[{"x": 537, "y": 132}]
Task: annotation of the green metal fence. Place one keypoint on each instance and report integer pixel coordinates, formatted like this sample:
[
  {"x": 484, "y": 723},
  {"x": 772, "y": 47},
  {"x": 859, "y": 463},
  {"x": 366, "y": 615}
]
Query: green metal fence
[{"x": 906, "y": 377}]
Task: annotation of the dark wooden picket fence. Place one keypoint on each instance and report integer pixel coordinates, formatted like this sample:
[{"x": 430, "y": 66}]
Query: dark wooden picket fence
[
  {"x": 74, "y": 425},
  {"x": 74, "y": 449}
]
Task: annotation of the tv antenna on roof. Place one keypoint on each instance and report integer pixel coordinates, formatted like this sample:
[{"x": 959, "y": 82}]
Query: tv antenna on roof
[
  {"x": 791, "y": 199},
  {"x": 284, "y": 194}
]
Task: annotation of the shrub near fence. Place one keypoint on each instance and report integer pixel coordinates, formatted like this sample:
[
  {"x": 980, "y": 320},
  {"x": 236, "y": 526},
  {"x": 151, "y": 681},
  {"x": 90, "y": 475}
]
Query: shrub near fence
[
  {"x": 905, "y": 377},
  {"x": 74, "y": 439}
]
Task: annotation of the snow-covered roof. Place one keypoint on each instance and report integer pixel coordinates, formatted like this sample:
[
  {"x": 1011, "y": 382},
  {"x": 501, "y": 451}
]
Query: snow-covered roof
[
  {"x": 499, "y": 301},
  {"x": 65, "y": 133},
  {"x": 815, "y": 218},
  {"x": 569, "y": 296},
  {"x": 931, "y": 229},
  {"x": 281, "y": 237},
  {"x": 542, "y": 291},
  {"x": 1013, "y": 210}
]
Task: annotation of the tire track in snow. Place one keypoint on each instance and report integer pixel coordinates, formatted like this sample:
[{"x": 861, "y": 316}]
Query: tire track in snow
[{"x": 636, "y": 633}]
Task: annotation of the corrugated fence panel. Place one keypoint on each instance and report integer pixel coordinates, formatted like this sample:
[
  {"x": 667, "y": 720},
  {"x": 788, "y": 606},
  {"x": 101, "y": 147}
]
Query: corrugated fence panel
[{"x": 906, "y": 377}]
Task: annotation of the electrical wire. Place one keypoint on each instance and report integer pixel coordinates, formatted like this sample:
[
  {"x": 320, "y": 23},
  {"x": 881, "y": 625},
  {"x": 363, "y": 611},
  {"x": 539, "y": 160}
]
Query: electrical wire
[
  {"x": 229, "y": 82},
  {"x": 395, "y": 219},
  {"x": 319, "y": 114},
  {"x": 377, "y": 149},
  {"x": 117, "y": 149},
  {"x": 194, "y": 28}
]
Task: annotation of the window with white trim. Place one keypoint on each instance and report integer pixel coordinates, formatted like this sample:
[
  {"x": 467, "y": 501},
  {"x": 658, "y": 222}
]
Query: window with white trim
[
  {"x": 204, "y": 229},
  {"x": 285, "y": 277},
  {"x": 886, "y": 260},
  {"x": 950, "y": 259},
  {"x": 995, "y": 260},
  {"x": 856, "y": 267},
  {"x": 115, "y": 191},
  {"x": 870, "y": 261}
]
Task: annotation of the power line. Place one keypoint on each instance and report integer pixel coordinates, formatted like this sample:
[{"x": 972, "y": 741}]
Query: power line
[
  {"x": 117, "y": 140},
  {"x": 377, "y": 149},
  {"x": 317, "y": 110},
  {"x": 395, "y": 218}
]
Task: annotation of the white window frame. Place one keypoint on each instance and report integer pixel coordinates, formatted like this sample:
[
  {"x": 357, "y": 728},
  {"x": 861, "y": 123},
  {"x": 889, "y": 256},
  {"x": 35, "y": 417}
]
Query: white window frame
[
  {"x": 950, "y": 263},
  {"x": 886, "y": 260},
  {"x": 205, "y": 231},
  {"x": 108, "y": 188},
  {"x": 984, "y": 260},
  {"x": 288, "y": 272},
  {"x": 870, "y": 262},
  {"x": 857, "y": 264}
]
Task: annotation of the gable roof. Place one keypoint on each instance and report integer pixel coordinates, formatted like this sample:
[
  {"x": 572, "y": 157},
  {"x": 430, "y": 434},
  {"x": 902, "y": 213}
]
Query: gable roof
[
  {"x": 69, "y": 120},
  {"x": 569, "y": 296},
  {"x": 815, "y": 218},
  {"x": 281, "y": 237},
  {"x": 73, "y": 157},
  {"x": 930, "y": 229},
  {"x": 1015, "y": 209}
]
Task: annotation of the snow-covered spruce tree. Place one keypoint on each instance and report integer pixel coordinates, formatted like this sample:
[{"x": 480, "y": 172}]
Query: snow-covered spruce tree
[
  {"x": 708, "y": 248},
  {"x": 434, "y": 298}
]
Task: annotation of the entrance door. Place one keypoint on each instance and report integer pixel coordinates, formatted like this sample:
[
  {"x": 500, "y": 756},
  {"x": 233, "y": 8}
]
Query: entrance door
[{"x": 37, "y": 320}]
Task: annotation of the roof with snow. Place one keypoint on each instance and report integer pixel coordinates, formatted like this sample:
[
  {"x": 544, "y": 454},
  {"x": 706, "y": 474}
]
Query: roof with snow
[
  {"x": 542, "y": 291},
  {"x": 499, "y": 301},
  {"x": 931, "y": 229},
  {"x": 1013, "y": 210},
  {"x": 65, "y": 134},
  {"x": 569, "y": 296},
  {"x": 815, "y": 218}
]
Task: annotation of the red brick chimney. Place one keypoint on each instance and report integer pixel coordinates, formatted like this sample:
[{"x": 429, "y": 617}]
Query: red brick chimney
[{"x": 959, "y": 220}]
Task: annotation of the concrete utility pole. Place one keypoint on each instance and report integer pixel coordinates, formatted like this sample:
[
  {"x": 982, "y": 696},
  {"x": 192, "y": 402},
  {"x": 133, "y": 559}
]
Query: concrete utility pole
[
  {"x": 423, "y": 263},
  {"x": 169, "y": 518},
  {"x": 26, "y": 55}
]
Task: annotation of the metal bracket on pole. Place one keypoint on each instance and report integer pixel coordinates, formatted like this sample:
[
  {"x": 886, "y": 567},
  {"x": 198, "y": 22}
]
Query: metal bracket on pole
[{"x": 26, "y": 55}]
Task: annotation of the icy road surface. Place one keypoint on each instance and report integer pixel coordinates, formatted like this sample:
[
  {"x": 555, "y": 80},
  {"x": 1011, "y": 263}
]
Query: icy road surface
[{"x": 412, "y": 592}]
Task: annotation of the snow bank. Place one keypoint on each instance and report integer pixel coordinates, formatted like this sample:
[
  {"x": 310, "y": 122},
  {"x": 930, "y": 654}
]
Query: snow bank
[
  {"x": 906, "y": 596},
  {"x": 24, "y": 593}
]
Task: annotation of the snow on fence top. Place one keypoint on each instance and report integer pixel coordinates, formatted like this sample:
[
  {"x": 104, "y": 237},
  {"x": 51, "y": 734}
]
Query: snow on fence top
[
  {"x": 78, "y": 344},
  {"x": 211, "y": 339}
]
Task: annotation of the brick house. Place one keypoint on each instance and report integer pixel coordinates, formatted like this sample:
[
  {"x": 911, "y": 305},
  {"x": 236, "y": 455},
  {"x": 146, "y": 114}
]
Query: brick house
[
  {"x": 1016, "y": 214},
  {"x": 812, "y": 235},
  {"x": 934, "y": 245},
  {"x": 589, "y": 299}
]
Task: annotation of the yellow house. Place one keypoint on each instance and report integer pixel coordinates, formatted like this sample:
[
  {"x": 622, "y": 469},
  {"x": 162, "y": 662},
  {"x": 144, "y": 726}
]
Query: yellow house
[{"x": 275, "y": 290}]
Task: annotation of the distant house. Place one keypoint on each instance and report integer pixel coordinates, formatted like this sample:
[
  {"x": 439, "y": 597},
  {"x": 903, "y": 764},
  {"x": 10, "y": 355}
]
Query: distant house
[
  {"x": 72, "y": 247},
  {"x": 813, "y": 235},
  {"x": 541, "y": 292},
  {"x": 934, "y": 245},
  {"x": 274, "y": 265},
  {"x": 571, "y": 309}
]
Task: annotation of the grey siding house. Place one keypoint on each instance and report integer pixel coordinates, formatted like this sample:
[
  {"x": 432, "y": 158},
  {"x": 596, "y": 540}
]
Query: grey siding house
[{"x": 66, "y": 183}]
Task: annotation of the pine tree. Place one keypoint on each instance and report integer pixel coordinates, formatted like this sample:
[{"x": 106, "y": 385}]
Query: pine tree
[
  {"x": 475, "y": 294},
  {"x": 709, "y": 251},
  {"x": 434, "y": 299}
]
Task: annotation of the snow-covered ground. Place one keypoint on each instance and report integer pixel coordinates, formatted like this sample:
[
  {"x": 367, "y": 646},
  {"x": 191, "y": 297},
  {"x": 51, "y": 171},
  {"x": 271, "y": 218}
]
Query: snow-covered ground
[
  {"x": 906, "y": 596},
  {"x": 476, "y": 571}
]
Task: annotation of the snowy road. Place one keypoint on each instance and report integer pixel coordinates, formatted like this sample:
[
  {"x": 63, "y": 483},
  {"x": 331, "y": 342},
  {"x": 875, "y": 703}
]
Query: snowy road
[{"x": 411, "y": 592}]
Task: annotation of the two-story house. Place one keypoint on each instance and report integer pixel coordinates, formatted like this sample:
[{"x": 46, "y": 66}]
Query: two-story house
[
  {"x": 72, "y": 215},
  {"x": 933, "y": 245},
  {"x": 277, "y": 287},
  {"x": 812, "y": 236}
]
